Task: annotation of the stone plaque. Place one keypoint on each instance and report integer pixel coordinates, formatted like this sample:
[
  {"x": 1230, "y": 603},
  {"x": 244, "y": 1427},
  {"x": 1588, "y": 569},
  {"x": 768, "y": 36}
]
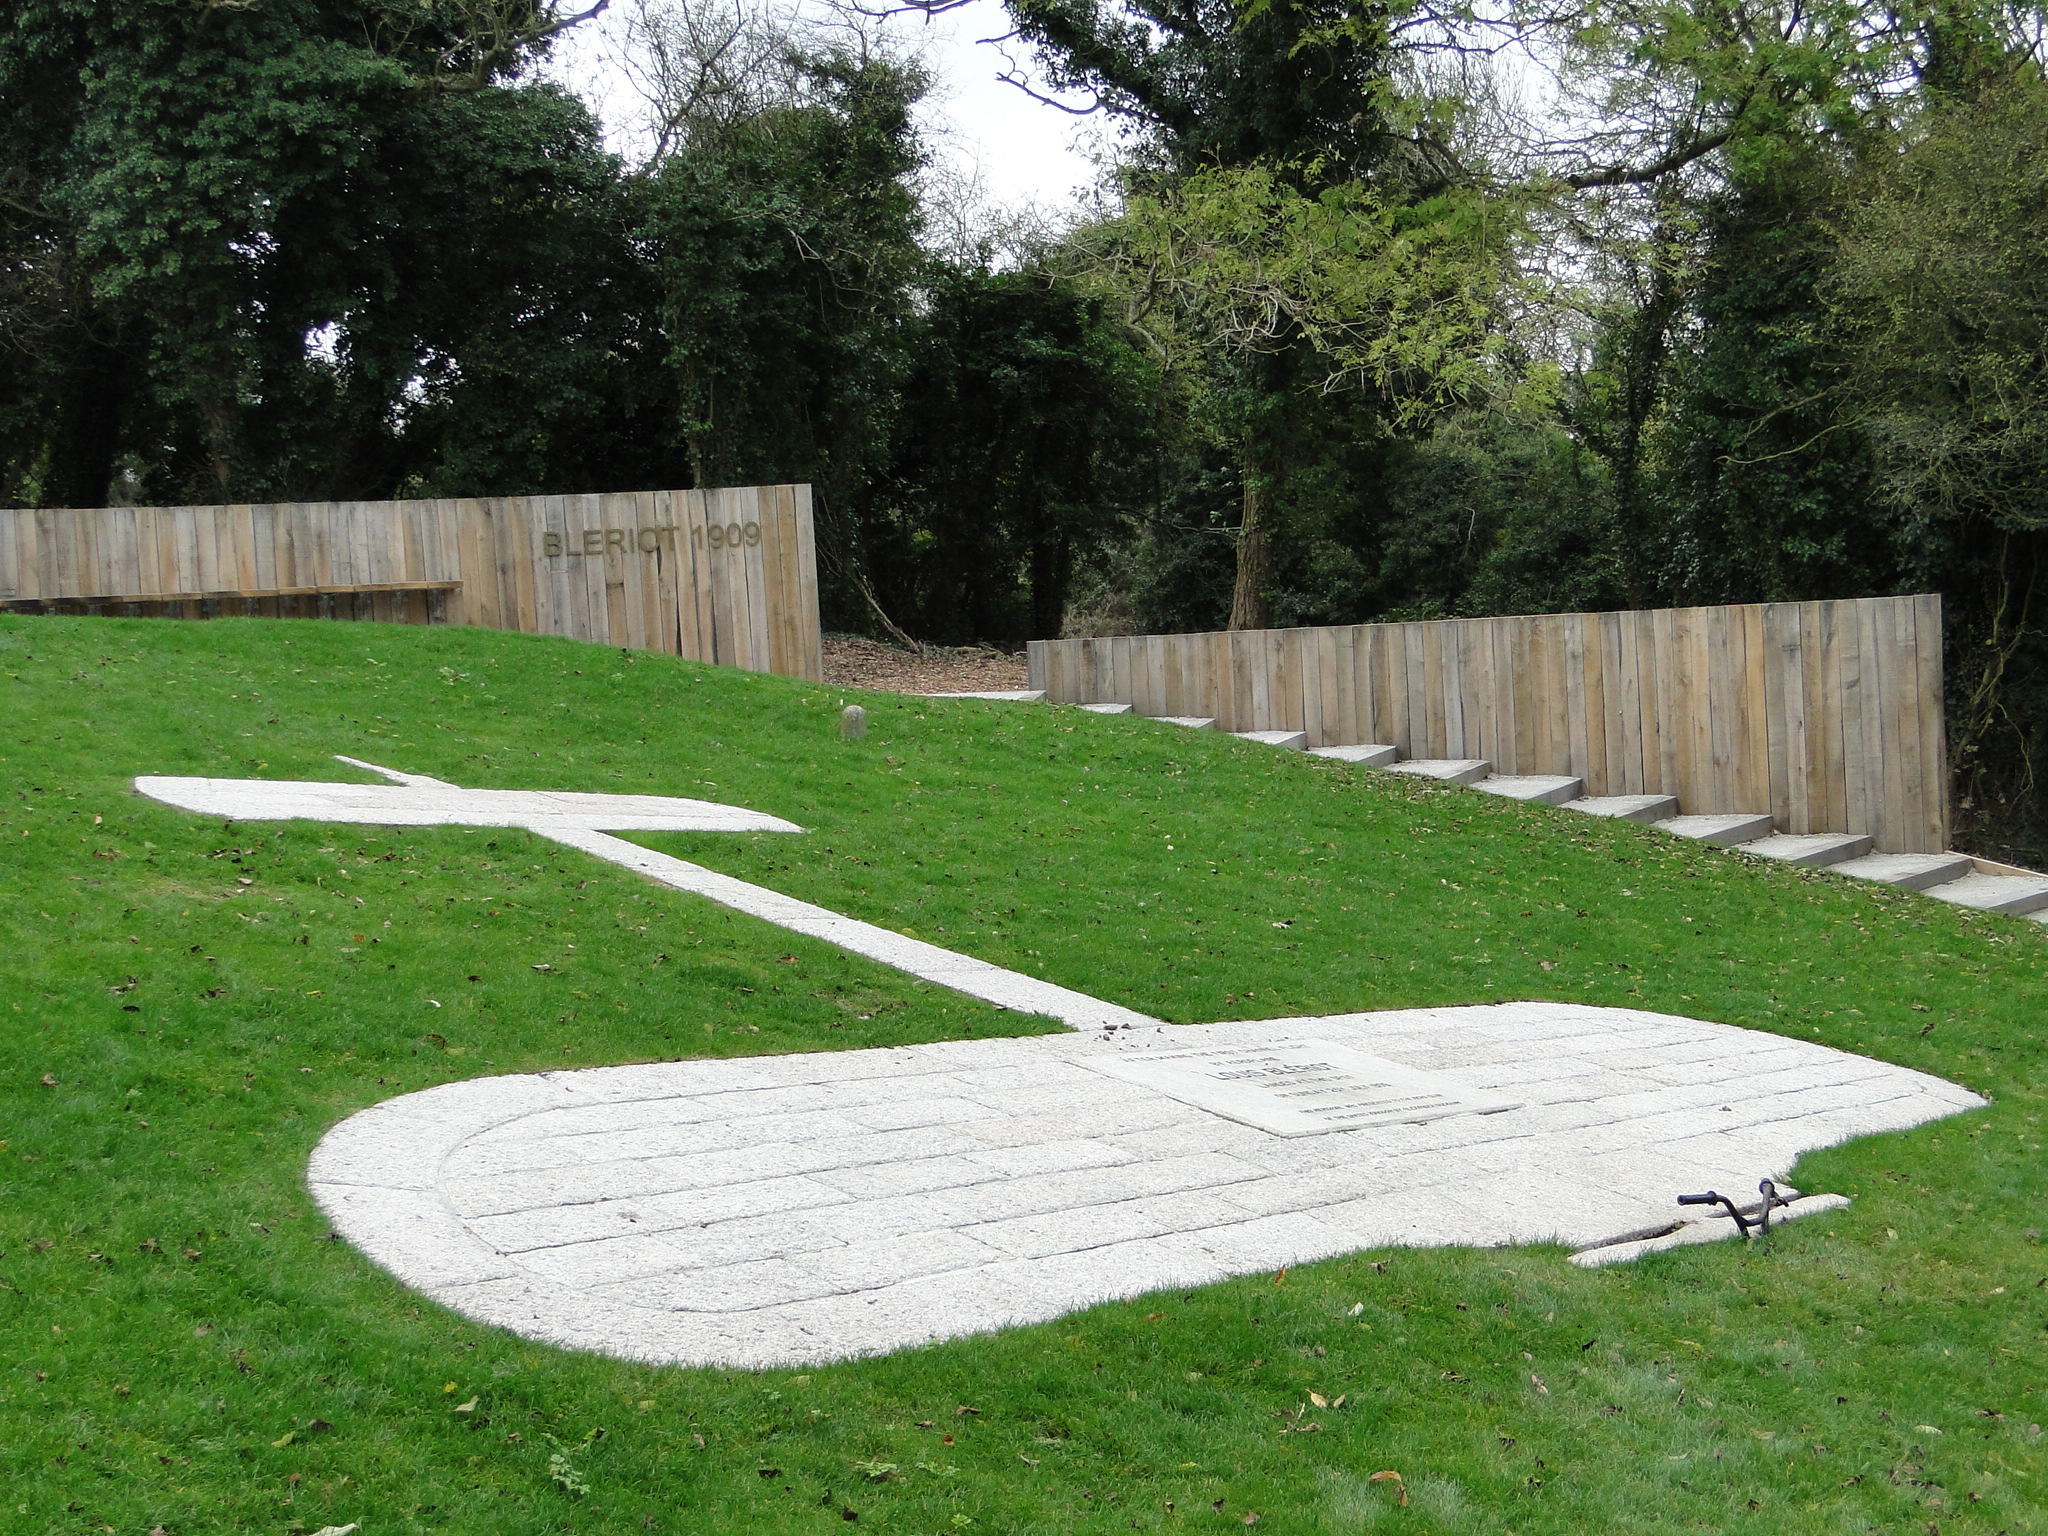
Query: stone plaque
[{"x": 1301, "y": 1087}]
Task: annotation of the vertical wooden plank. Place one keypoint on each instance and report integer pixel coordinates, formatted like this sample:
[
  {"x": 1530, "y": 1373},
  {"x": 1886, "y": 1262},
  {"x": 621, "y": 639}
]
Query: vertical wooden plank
[
  {"x": 772, "y": 630},
  {"x": 10, "y": 553},
  {"x": 760, "y": 592},
  {"x": 1842, "y": 732},
  {"x": 1785, "y": 715},
  {"x": 517, "y": 527},
  {"x": 1752, "y": 768},
  {"x": 1323, "y": 712},
  {"x": 1828, "y": 704},
  {"x": 689, "y": 591},
  {"x": 1893, "y": 745},
  {"x": 1173, "y": 676},
  {"x": 1929, "y": 643},
  {"x": 1284, "y": 685},
  {"x": 735, "y": 588},
  {"x": 778, "y": 561},
  {"x": 1581, "y": 689},
  {"x": 1878, "y": 766},
  {"x": 1634, "y": 711},
  {"x": 717, "y": 605},
  {"x": 1418, "y": 737},
  {"x": 813, "y": 666},
  {"x": 728, "y": 587},
  {"x": 1399, "y": 681}
]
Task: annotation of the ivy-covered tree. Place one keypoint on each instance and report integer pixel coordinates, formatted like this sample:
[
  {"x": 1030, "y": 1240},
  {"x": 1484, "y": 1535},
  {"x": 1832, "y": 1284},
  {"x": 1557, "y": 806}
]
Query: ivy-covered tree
[
  {"x": 1027, "y": 440},
  {"x": 232, "y": 226},
  {"x": 785, "y": 244}
]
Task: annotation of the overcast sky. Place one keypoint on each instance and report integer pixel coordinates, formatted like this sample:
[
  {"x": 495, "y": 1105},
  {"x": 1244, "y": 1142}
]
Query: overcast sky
[{"x": 1023, "y": 150}]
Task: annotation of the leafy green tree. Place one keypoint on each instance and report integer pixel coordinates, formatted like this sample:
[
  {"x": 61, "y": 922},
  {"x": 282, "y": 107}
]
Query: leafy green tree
[
  {"x": 1260, "y": 136},
  {"x": 1269, "y": 299},
  {"x": 1026, "y": 441},
  {"x": 234, "y": 225},
  {"x": 786, "y": 249},
  {"x": 1939, "y": 301}
]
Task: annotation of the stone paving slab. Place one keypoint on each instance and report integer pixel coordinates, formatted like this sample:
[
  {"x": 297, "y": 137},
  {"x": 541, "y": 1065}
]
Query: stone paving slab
[
  {"x": 796, "y": 1210},
  {"x": 1451, "y": 770},
  {"x": 1816, "y": 850},
  {"x": 1728, "y": 830},
  {"x": 2017, "y": 894},
  {"x": 1643, "y": 808},
  {"x": 1371, "y": 754},
  {"x": 1535, "y": 788},
  {"x": 1908, "y": 871}
]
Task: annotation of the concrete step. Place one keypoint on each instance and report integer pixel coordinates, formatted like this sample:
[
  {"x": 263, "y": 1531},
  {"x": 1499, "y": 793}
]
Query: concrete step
[
  {"x": 2016, "y": 894},
  {"x": 1816, "y": 850},
  {"x": 1451, "y": 770},
  {"x": 1726, "y": 830},
  {"x": 1911, "y": 871},
  {"x": 1292, "y": 739},
  {"x": 1537, "y": 788},
  {"x": 1643, "y": 808},
  {"x": 1372, "y": 757},
  {"x": 1192, "y": 722},
  {"x": 1107, "y": 709},
  {"x": 1014, "y": 696}
]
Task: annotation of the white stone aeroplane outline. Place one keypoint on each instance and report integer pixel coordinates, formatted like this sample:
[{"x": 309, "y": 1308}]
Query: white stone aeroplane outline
[{"x": 787, "y": 1210}]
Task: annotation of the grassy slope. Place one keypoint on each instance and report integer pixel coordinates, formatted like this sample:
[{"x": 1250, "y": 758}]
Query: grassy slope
[{"x": 173, "y": 1315}]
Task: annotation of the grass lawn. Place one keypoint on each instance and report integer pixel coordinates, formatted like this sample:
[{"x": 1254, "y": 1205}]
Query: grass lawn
[{"x": 189, "y": 1005}]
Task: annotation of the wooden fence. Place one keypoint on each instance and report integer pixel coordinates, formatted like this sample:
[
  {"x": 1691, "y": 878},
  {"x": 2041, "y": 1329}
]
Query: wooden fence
[
  {"x": 1827, "y": 715},
  {"x": 720, "y": 575}
]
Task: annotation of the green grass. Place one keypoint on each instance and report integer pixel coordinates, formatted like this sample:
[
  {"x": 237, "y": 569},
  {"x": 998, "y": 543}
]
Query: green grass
[{"x": 188, "y": 1005}]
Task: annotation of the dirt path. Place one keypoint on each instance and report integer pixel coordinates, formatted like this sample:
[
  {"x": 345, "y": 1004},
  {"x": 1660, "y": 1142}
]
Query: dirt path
[{"x": 856, "y": 663}]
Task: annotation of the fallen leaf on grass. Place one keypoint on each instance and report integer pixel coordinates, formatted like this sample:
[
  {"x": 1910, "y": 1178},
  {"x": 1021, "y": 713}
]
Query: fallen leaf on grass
[
  {"x": 338, "y": 1530},
  {"x": 1394, "y": 1478},
  {"x": 468, "y": 1407},
  {"x": 1537, "y": 1382}
]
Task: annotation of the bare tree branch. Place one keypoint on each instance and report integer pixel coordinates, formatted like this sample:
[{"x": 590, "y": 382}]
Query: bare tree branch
[{"x": 1675, "y": 159}]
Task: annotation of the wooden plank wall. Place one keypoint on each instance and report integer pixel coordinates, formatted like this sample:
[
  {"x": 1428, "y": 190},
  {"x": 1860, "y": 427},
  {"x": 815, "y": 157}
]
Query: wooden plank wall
[
  {"x": 727, "y": 575},
  {"x": 1827, "y": 715}
]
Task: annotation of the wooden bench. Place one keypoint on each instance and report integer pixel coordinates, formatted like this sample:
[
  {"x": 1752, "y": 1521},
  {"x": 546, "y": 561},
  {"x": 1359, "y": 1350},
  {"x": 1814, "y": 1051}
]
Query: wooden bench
[{"x": 387, "y": 597}]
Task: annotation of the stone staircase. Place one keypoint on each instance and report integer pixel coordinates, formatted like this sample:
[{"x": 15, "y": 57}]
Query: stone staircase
[{"x": 1951, "y": 877}]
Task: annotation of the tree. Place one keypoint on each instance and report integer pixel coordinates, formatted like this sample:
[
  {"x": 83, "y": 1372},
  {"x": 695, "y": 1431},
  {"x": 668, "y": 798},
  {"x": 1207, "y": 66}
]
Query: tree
[
  {"x": 218, "y": 214},
  {"x": 1940, "y": 304},
  {"x": 786, "y": 248},
  {"x": 1266, "y": 296},
  {"x": 1026, "y": 440}
]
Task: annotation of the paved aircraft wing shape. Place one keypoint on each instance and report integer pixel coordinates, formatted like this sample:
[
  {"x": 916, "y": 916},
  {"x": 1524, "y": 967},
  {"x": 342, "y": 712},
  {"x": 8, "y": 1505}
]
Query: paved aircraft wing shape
[{"x": 414, "y": 800}]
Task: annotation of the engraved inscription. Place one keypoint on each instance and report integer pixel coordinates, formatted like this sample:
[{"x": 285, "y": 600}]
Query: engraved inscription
[
  {"x": 607, "y": 541},
  {"x": 1301, "y": 1087},
  {"x": 601, "y": 542}
]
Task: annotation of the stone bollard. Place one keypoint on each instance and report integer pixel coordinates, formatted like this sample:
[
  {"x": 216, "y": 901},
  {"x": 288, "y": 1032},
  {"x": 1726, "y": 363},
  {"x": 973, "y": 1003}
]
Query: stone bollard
[{"x": 853, "y": 723}]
